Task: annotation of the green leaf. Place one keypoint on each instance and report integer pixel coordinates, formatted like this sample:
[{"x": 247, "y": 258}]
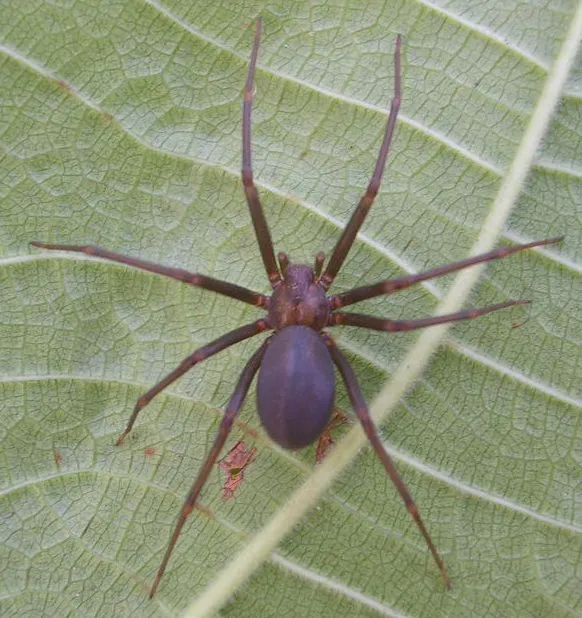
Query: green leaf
[{"x": 120, "y": 126}]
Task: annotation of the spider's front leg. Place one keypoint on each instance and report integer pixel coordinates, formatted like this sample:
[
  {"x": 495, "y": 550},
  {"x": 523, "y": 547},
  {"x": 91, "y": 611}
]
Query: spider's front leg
[
  {"x": 349, "y": 233},
  {"x": 257, "y": 215},
  {"x": 179, "y": 274}
]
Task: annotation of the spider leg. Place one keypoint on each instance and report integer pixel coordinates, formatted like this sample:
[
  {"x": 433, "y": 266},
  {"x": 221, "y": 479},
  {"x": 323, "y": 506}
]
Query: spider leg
[
  {"x": 202, "y": 281},
  {"x": 283, "y": 262},
  {"x": 350, "y": 231},
  {"x": 393, "y": 326},
  {"x": 258, "y": 217},
  {"x": 361, "y": 409},
  {"x": 232, "y": 409},
  {"x": 319, "y": 260},
  {"x": 387, "y": 286},
  {"x": 238, "y": 334}
]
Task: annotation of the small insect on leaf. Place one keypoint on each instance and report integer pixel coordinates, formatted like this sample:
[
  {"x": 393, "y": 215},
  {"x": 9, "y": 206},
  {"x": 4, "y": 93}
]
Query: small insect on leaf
[{"x": 234, "y": 464}]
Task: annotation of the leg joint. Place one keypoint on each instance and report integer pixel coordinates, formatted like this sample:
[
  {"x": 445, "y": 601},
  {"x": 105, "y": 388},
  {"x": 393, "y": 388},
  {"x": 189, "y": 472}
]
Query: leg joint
[{"x": 247, "y": 176}]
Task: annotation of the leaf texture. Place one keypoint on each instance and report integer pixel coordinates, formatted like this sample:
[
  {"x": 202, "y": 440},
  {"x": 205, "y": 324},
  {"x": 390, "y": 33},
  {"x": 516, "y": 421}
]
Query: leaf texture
[{"x": 120, "y": 126}]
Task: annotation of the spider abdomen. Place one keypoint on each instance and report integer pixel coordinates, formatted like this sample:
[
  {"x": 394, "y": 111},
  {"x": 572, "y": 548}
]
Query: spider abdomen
[{"x": 296, "y": 387}]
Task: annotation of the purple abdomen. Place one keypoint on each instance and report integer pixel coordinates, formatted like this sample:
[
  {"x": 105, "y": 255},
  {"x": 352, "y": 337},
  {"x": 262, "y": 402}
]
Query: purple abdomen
[{"x": 296, "y": 387}]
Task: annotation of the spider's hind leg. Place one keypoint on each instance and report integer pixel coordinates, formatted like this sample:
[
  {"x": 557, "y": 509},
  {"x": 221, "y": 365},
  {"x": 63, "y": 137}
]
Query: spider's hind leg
[
  {"x": 363, "y": 414},
  {"x": 232, "y": 409}
]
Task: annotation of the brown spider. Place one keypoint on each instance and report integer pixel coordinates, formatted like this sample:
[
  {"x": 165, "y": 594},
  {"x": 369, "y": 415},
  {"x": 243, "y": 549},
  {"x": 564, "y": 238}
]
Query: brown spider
[{"x": 296, "y": 384}]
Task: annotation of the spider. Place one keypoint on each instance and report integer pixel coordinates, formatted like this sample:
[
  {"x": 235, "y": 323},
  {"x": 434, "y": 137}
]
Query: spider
[{"x": 296, "y": 382}]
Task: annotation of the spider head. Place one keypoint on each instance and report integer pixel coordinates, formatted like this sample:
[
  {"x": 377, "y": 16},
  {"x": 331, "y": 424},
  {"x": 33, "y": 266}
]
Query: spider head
[{"x": 298, "y": 299}]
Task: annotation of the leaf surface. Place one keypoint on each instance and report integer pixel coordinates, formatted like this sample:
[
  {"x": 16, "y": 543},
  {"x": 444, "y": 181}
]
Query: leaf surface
[{"x": 120, "y": 126}]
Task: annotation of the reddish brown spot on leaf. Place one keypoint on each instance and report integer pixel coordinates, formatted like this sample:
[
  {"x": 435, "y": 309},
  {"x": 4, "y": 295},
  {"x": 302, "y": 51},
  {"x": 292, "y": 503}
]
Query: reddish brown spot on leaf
[
  {"x": 205, "y": 510},
  {"x": 325, "y": 440},
  {"x": 234, "y": 464},
  {"x": 247, "y": 429},
  {"x": 149, "y": 451},
  {"x": 64, "y": 86},
  {"x": 58, "y": 457}
]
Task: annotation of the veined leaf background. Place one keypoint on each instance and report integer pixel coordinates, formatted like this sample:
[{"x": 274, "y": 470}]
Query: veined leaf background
[{"x": 120, "y": 126}]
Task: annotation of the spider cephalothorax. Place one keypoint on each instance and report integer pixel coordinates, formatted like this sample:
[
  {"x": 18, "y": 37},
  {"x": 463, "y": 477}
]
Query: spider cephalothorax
[{"x": 298, "y": 299}]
